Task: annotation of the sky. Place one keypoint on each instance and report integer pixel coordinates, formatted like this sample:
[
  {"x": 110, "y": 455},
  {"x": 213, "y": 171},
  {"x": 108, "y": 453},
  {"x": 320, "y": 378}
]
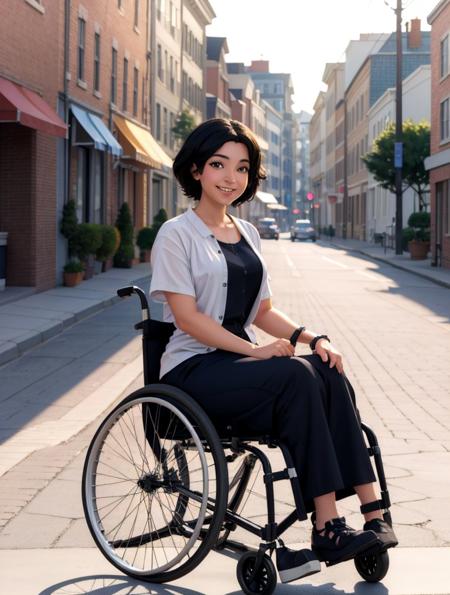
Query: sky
[{"x": 299, "y": 37}]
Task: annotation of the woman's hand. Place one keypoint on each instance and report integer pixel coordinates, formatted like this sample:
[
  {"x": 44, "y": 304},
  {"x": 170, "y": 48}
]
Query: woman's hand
[
  {"x": 328, "y": 353},
  {"x": 279, "y": 348}
]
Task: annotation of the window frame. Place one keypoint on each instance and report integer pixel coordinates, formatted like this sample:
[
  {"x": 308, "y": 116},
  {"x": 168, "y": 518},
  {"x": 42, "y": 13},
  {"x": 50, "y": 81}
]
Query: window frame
[
  {"x": 444, "y": 122},
  {"x": 445, "y": 39},
  {"x": 97, "y": 58},
  {"x": 114, "y": 60},
  {"x": 125, "y": 84},
  {"x": 81, "y": 49},
  {"x": 135, "y": 90}
]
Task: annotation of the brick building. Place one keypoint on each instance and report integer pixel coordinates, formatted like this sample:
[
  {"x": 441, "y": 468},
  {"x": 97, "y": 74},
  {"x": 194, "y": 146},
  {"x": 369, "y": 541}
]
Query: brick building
[
  {"x": 439, "y": 161},
  {"x": 31, "y": 136}
]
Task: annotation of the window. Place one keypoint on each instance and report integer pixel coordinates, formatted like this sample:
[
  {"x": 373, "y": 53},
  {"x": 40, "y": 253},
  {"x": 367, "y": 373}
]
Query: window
[
  {"x": 125, "y": 86},
  {"x": 166, "y": 67},
  {"x": 159, "y": 63},
  {"x": 119, "y": 4},
  {"x": 158, "y": 121},
  {"x": 160, "y": 9},
  {"x": 114, "y": 76},
  {"x": 81, "y": 47},
  {"x": 172, "y": 80},
  {"x": 172, "y": 124},
  {"x": 444, "y": 57},
  {"x": 97, "y": 62},
  {"x": 165, "y": 126},
  {"x": 444, "y": 120},
  {"x": 135, "y": 90},
  {"x": 136, "y": 13}
]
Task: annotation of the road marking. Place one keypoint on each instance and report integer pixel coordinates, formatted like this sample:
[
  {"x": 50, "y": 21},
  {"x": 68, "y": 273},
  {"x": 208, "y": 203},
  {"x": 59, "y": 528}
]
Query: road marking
[{"x": 343, "y": 266}]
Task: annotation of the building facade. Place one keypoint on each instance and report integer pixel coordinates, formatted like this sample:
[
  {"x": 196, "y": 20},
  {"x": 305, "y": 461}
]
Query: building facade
[
  {"x": 317, "y": 161},
  {"x": 439, "y": 161},
  {"x": 32, "y": 133},
  {"x": 218, "y": 100}
]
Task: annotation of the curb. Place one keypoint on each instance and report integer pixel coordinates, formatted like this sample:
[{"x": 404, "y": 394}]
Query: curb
[{"x": 392, "y": 264}]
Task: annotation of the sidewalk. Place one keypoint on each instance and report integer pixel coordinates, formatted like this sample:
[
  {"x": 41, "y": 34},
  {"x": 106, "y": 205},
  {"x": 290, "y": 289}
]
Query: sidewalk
[
  {"x": 28, "y": 320},
  {"x": 422, "y": 268}
]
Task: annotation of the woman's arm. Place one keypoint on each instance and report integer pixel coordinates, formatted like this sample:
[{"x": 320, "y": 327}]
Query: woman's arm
[
  {"x": 209, "y": 332},
  {"x": 276, "y": 323}
]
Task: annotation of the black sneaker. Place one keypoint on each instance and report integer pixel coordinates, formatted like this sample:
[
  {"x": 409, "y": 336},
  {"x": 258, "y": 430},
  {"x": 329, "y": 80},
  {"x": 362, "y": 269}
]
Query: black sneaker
[
  {"x": 292, "y": 564},
  {"x": 338, "y": 542},
  {"x": 383, "y": 531}
]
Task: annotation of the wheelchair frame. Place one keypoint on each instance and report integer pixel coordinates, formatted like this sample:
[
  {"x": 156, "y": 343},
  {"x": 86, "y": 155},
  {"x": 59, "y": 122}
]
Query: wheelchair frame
[{"x": 271, "y": 532}]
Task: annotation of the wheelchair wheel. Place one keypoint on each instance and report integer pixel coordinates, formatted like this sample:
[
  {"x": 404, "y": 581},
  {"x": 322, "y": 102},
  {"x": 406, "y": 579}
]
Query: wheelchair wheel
[
  {"x": 155, "y": 484},
  {"x": 265, "y": 580},
  {"x": 372, "y": 567}
]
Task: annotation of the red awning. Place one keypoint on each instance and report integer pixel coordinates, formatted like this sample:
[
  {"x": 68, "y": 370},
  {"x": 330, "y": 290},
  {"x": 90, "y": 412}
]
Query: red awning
[{"x": 18, "y": 104}]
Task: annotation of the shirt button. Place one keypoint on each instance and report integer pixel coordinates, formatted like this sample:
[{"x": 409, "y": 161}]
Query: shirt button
[
  {"x": 219, "y": 251},
  {"x": 224, "y": 284},
  {"x": 220, "y": 317},
  {"x": 212, "y": 236}
]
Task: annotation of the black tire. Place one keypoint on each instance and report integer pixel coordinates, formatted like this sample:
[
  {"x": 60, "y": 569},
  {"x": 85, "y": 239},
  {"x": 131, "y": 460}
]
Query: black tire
[
  {"x": 155, "y": 482},
  {"x": 265, "y": 581},
  {"x": 372, "y": 567}
]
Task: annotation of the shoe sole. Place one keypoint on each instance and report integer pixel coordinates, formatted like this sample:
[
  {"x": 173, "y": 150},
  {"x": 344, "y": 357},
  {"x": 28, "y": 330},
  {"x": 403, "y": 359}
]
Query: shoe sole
[
  {"x": 343, "y": 557},
  {"x": 293, "y": 574}
]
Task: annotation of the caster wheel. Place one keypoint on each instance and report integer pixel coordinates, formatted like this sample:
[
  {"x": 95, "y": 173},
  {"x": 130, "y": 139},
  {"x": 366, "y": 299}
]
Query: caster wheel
[
  {"x": 265, "y": 580},
  {"x": 372, "y": 567}
]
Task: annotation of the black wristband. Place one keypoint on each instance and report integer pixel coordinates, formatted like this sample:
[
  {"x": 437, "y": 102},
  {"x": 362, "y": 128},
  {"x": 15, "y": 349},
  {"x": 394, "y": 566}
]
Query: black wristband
[
  {"x": 314, "y": 341},
  {"x": 295, "y": 335}
]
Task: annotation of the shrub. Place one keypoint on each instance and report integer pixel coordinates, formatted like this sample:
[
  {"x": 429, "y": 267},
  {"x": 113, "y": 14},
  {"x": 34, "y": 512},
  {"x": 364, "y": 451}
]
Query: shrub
[
  {"x": 124, "y": 224},
  {"x": 330, "y": 231},
  {"x": 419, "y": 222},
  {"x": 73, "y": 266},
  {"x": 146, "y": 238},
  {"x": 87, "y": 240},
  {"x": 108, "y": 245},
  {"x": 69, "y": 224}
]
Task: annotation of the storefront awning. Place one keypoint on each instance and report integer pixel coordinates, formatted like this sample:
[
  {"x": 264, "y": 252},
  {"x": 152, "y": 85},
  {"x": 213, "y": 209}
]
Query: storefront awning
[
  {"x": 266, "y": 197},
  {"x": 140, "y": 145},
  {"x": 276, "y": 207},
  {"x": 96, "y": 133},
  {"x": 18, "y": 104}
]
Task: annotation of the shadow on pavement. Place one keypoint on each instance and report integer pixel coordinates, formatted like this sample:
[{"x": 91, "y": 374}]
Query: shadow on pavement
[
  {"x": 113, "y": 585},
  {"x": 68, "y": 362}
]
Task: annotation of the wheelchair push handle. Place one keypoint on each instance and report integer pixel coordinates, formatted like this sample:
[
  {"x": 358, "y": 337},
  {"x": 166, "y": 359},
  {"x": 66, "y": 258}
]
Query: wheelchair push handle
[{"x": 123, "y": 292}]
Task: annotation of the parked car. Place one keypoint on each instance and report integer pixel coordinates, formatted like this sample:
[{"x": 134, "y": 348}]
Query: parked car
[
  {"x": 303, "y": 230},
  {"x": 268, "y": 228}
]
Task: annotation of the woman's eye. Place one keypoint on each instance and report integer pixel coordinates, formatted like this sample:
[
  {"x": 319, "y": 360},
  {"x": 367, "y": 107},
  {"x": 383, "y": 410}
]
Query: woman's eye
[
  {"x": 243, "y": 169},
  {"x": 216, "y": 164}
]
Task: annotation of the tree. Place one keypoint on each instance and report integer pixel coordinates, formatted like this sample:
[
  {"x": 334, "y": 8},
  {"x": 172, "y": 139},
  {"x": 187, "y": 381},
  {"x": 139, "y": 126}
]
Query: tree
[
  {"x": 124, "y": 223},
  {"x": 416, "y": 147},
  {"x": 184, "y": 125}
]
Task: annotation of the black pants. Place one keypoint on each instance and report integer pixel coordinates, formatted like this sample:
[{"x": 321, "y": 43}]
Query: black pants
[{"x": 300, "y": 400}]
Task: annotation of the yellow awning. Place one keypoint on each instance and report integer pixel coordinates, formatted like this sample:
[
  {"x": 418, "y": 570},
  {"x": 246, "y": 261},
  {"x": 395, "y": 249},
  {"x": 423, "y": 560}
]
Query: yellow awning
[{"x": 139, "y": 144}]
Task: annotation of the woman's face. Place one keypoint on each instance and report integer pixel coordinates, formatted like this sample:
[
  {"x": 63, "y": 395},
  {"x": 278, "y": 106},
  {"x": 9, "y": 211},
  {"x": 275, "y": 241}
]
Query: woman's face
[{"x": 225, "y": 174}]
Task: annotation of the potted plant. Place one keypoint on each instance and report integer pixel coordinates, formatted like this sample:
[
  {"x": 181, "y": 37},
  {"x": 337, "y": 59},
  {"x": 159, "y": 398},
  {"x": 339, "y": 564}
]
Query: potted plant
[
  {"x": 419, "y": 245},
  {"x": 73, "y": 273},
  {"x": 123, "y": 258},
  {"x": 144, "y": 240},
  {"x": 107, "y": 247},
  {"x": 87, "y": 240}
]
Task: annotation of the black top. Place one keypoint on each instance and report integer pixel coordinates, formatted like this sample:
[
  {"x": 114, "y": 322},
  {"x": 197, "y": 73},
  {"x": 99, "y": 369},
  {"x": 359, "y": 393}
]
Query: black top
[{"x": 245, "y": 273}]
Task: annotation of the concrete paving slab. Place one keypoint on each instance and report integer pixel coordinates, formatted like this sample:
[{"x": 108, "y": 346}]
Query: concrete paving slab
[{"x": 60, "y": 571}]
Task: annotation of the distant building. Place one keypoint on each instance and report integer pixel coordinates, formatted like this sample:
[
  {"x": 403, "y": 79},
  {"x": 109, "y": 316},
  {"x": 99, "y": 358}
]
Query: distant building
[
  {"x": 369, "y": 71},
  {"x": 317, "y": 172},
  {"x": 416, "y": 106},
  {"x": 218, "y": 100},
  {"x": 302, "y": 172},
  {"x": 277, "y": 89}
]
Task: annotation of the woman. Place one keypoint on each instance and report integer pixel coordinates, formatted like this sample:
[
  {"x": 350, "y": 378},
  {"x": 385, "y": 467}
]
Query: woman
[{"x": 209, "y": 273}]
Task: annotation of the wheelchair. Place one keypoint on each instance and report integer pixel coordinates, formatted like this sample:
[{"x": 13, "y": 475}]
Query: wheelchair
[{"x": 156, "y": 490}]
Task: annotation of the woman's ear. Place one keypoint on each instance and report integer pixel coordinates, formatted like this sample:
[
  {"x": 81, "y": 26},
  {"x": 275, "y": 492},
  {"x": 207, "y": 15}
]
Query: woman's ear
[{"x": 195, "y": 173}]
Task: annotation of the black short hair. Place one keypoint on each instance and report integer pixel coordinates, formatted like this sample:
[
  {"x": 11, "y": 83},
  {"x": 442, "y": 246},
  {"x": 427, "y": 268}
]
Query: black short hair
[{"x": 203, "y": 142}]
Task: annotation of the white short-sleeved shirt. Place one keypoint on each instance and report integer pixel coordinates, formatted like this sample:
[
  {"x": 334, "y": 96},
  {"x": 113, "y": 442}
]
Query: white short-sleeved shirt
[{"x": 187, "y": 259}]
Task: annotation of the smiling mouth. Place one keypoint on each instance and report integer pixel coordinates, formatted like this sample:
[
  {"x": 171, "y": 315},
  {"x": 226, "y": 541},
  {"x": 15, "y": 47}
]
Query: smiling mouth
[{"x": 225, "y": 189}]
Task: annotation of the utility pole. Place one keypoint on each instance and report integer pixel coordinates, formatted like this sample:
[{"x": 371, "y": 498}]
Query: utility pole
[{"x": 398, "y": 153}]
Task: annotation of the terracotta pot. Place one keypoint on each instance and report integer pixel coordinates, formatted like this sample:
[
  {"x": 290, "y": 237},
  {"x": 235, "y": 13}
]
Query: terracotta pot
[
  {"x": 107, "y": 264},
  {"x": 418, "y": 249},
  {"x": 72, "y": 279}
]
